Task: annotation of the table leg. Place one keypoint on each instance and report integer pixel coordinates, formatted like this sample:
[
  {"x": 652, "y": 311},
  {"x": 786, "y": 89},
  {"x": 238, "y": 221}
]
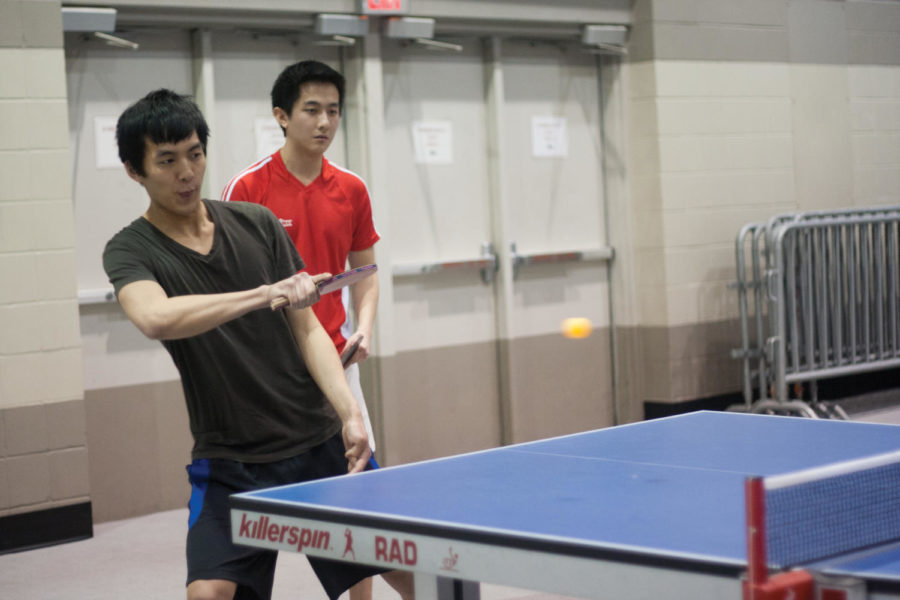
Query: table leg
[{"x": 433, "y": 587}]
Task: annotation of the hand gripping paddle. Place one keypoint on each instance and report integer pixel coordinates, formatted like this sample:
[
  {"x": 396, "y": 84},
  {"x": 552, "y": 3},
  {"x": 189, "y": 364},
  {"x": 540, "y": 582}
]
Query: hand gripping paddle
[{"x": 332, "y": 284}]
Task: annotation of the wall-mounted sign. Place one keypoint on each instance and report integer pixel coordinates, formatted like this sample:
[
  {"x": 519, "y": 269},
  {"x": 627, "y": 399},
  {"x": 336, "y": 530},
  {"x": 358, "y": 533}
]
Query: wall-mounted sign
[
  {"x": 384, "y": 7},
  {"x": 268, "y": 135},
  {"x": 548, "y": 137},
  {"x": 433, "y": 142},
  {"x": 106, "y": 150}
]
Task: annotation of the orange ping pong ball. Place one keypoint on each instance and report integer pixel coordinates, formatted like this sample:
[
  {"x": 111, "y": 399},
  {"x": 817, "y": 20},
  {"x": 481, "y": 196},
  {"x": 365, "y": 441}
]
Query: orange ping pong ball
[{"x": 576, "y": 327}]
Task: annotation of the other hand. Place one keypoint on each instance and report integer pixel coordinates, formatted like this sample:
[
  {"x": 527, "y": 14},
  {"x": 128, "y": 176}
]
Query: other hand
[{"x": 356, "y": 443}]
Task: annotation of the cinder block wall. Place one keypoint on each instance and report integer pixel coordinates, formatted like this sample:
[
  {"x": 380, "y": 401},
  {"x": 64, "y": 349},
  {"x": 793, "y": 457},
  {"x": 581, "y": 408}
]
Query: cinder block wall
[
  {"x": 44, "y": 489},
  {"x": 740, "y": 111}
]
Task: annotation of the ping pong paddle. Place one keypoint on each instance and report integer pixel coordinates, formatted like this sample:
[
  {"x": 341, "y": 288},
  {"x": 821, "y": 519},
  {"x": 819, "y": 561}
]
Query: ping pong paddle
[
  {"x": 349, "y": 352},
  {"x": 332, "y": 284}
]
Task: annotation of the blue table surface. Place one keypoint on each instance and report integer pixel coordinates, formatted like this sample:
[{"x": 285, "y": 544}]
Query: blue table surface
[
  {"x": 882, "y": 563},
  {"x": 671, "y": 487}
]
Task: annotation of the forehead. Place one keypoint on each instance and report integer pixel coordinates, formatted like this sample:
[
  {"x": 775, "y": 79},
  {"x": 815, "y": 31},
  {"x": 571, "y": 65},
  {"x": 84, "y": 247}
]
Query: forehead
[
  {"x": 318, "y": 91},
  {"x": 187, "y": 143}
]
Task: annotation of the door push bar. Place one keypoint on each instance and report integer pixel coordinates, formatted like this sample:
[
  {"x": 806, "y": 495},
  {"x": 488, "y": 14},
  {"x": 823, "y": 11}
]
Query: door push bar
[
  {"x": 520, "y": 260},
  {"x": 488, "y": 263}
]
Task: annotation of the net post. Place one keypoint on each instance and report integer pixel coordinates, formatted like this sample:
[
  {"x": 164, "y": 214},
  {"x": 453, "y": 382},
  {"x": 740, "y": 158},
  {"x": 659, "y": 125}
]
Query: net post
[
  {"x": 757, "y": 563},
  {"x": 795, "y": 585}
]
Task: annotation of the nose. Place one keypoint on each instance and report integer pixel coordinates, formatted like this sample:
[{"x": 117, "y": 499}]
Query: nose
[{"x": 186, "y": 170}]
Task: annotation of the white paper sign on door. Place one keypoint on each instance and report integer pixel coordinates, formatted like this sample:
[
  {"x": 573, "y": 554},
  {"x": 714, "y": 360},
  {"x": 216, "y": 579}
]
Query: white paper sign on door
[
  {"x": 548, "y": 137},
  {"x": 106, "y": 150},
  {"x": 269, "y": 136},
  {"x": 433, "y": 142}
]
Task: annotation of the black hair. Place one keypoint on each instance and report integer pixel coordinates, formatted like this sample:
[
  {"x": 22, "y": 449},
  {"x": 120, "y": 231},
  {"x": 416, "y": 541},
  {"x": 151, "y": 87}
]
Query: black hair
[
  {"x": 162, "y": 116},
  {"x": 286, "y": 89}
]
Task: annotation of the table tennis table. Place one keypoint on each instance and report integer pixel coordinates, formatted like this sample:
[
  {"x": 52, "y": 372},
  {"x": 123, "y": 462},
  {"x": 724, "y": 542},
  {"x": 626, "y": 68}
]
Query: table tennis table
[{"x": 648, "y": 510}]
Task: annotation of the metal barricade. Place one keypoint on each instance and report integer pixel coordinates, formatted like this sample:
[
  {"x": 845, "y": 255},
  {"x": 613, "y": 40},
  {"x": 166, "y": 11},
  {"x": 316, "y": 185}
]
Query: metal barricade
[{"x": 818, "y": 297}]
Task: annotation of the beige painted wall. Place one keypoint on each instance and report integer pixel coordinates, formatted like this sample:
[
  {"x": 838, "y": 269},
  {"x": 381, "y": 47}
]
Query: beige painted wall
[
  {"x": 740, "y": 111},
  {"x": 139, "y": 445},
  {"x": 725, "y": 112},
  {"x": 43, "y": 458}
]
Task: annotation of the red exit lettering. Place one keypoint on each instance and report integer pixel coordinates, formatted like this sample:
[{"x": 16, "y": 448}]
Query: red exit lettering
[
  {"x": 392, "y": 5},
  {"x": 395, "y": 551}
]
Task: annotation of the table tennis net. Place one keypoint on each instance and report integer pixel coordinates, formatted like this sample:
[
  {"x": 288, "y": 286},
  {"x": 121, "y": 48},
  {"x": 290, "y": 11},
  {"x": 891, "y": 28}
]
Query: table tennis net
[{"x": 818, "y": 513}]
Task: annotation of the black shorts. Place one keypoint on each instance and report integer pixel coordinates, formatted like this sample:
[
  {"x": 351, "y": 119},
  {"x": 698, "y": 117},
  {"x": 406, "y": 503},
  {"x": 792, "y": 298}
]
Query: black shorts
[{"x": 210, "y": 553}]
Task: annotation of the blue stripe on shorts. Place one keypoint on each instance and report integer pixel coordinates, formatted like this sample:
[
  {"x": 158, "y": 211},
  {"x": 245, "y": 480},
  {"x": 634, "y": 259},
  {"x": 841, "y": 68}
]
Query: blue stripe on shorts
[{"x": 198, "y": 474}]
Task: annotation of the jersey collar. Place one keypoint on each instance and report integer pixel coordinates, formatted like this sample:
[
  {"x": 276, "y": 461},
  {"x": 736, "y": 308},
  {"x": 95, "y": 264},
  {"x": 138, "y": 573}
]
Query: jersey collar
[{"x": 327, "y": 173}]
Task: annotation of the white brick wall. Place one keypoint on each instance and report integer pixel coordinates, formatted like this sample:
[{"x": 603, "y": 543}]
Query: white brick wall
[
  {"x": 717, "y": 145},
  {"x": 723, "y": 133},
  {"x": 875, "y": 131},
  {"x": 40, "y": 345}
]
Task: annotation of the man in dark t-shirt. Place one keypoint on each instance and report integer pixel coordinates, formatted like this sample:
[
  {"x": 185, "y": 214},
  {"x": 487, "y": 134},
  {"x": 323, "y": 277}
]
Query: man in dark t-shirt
[
  {"x": 266, "y": 394},
  {"x": 258, "y": 403}
]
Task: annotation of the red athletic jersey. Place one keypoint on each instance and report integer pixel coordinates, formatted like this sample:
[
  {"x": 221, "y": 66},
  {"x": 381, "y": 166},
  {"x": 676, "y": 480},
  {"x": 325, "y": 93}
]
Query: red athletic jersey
[{"x": 327, "y": 219}]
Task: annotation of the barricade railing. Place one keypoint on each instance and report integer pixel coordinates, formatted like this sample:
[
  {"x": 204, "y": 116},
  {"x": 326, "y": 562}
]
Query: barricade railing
[{"x": 818, "y": 297}]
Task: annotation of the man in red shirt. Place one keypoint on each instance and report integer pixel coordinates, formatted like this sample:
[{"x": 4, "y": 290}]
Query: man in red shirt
[{"x": 325, "y": 209}]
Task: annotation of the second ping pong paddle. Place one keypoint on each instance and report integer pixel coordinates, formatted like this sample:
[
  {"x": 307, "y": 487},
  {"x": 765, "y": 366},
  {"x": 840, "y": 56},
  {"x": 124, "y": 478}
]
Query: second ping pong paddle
[
  {"x": 350, "y": 351},
  {"x": 332, "y": 284}
]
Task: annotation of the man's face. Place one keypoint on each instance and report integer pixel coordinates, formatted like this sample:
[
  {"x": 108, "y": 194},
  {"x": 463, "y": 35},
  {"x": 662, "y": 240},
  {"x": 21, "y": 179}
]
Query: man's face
[
  {"x": 173, "y": 174},
  {"x": 314, "y": 119}
]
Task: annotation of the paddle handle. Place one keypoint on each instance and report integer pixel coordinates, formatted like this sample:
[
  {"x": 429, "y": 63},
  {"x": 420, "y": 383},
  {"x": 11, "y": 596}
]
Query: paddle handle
[{"x": 278, "y": 303}]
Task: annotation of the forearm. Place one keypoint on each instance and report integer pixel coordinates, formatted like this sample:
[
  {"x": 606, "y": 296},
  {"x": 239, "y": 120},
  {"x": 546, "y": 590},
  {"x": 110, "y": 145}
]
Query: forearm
[
  {"x": 325, "y": 367},
  {"x": 365, "y": 303},
  {"x": 187, "y": 316},
  {"x": 365, "y": 293},
  {"x": 323, "y": 363},
  {"x": 162, "y": 318}
]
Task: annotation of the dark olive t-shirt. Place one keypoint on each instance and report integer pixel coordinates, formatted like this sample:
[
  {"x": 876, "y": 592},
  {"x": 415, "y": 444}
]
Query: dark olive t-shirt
[{"x": 249, "y": 394}]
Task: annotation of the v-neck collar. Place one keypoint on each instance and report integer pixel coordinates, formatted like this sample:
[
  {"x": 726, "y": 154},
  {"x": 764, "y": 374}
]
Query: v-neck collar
[
  {"x": 175, "y": 243},
  {"x": 323, "y": 177}
]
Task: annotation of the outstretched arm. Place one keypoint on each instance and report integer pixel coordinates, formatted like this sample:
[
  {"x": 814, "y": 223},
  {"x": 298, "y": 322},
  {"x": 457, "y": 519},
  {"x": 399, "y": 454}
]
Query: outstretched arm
[
  {"x": 160, "y": 317},
  {"x": 325, "y": 367}
]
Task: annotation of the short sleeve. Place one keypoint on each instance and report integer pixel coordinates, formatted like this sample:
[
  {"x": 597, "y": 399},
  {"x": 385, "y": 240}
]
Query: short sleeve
[
  {"x": 123, "y": 265},
  {"x": 364, "y": 233}
]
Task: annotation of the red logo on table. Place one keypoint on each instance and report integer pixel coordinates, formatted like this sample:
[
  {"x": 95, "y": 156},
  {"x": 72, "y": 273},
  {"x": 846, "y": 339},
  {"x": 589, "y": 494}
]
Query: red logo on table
[
  {"x": 301, "y": 537},
  {"x": 449, "y": 562},
  {"x": 348, "y": 548},
  {"x": 392, "y": 550}
]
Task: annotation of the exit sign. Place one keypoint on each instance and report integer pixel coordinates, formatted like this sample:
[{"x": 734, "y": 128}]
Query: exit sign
[{"x": 384, "y": 7}]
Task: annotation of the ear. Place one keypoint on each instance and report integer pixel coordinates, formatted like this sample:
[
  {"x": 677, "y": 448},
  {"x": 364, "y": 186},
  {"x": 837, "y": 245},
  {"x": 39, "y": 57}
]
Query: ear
[
  {"x": 134, "y": 174},
  {"x": 281, "y": 116}
]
